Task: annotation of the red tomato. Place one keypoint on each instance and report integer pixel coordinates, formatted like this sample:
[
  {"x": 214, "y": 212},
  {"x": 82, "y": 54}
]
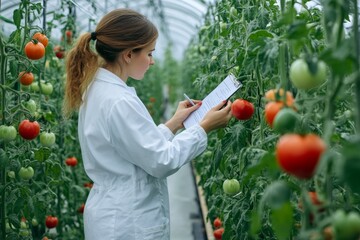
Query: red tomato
[
  {"x": 26, "y": 78},
  {"x": 34, "y": 50},
  {"x": 88, "y": 185},
  {"x": 71, "y": 161},
  {"x": 271, "y": 109},
  {"x": 299, "y": 155},
  {"x": 242, "y": 109},
  {"x": 41, "y": 38},
  {"x": 29, "y": 130},
  {"x": 81, "y": 208},
  {"x": 51, "y": 221},
  {"x": 217, "y": 222},
  {"x": 218, "y": 233},
  {"x": 59, "y": 51}
]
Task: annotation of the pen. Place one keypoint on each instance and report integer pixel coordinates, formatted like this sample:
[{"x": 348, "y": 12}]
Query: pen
[{"x": 187, "y": 98}]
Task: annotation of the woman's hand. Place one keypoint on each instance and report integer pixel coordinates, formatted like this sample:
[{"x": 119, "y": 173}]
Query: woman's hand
[
  {"x": 217, "y": 117},
  {"x": 182, "y": 112}
]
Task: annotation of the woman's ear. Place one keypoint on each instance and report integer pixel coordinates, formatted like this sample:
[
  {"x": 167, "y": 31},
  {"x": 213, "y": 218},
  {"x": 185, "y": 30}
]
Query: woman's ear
[{"x": 127, "y": 55}]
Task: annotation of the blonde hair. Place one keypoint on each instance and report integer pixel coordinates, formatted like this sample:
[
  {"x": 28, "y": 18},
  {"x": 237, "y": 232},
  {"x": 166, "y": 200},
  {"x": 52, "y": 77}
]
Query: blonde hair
[{"x": 118, "y": 30}]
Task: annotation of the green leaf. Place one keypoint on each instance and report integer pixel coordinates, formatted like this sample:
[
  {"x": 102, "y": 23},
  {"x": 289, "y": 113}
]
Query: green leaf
[
  {"x": 6, "y": 20},
  {"x": 255, "y": 223},
  {"x": 282, "y": 221},
  {"x": 297, "y": 30},
  {"x": 276, "y": 194},
  {"x": 42, "y": 154},
  {"x": 351, "y": 165},
  {"x": 17, "y": 16}
]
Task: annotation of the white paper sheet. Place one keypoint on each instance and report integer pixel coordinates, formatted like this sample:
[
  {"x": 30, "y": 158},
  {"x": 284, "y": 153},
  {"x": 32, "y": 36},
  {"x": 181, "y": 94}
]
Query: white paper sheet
[{"x": 222, "y": 92}]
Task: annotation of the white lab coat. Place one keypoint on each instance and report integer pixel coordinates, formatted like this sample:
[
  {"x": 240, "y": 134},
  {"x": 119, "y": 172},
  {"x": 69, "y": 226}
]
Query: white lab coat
[{"x": 128, "y": 157}]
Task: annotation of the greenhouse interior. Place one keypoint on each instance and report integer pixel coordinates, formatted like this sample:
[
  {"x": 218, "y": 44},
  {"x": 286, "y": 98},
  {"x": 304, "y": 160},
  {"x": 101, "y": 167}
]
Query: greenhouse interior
[{"x": 180, "y": 119}]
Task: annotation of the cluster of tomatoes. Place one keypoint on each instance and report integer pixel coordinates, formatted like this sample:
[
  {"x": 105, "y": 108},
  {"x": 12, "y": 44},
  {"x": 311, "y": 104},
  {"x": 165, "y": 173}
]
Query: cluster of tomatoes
[{"x": 218, "y": 228}]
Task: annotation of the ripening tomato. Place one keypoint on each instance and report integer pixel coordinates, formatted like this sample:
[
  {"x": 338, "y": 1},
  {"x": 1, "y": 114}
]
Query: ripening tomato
[
  {"x": 218, "y": 233},
  {"x": 271, "y": 109},
  {"x": 26, "y": 78},
  {"x": 307, "y": 74},
  {"x": 217, "y": 222},
  {"x": 71, "y": 161},
  {"x": 34, "y": 50},
  {"x": 29, "y": 130},
  {"x": 299, "y": 155},
  {"x": 51, "y": 221},
  {"x": 276, "y": 95},
  {"x": 242, "y": 109},
  {"x": 41, "y": 38}
]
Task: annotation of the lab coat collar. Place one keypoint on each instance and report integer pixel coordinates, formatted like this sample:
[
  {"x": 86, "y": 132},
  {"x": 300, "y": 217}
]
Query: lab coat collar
[{"x": 105, "y": 75}]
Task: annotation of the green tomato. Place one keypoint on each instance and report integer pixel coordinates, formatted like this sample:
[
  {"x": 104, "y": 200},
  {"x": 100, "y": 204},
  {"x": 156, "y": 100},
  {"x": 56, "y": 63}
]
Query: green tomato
[
  {"x": 11, "y": 174},
  {"x": 46, "y": 88},
  {"x": 286, "y": 120},
  {"x": 306, "y": 75},
  {"x": 47, "y": 139},
  {"x": 24, "y": 232},
  {"x": 7, "y": 133},
  {"x": 34, "y": 222},
  {"x": 231, "y": 186},
  {"x": 23, "y": 225},
  {"x": 34, "y": 86},
  {"x": 347, "y": 226},
  {"x": 31, "y": 106},
  {"x": 223, "y": 26},
  {"x": 26, "y": 173},
  {"x": 233, "y": 12}
]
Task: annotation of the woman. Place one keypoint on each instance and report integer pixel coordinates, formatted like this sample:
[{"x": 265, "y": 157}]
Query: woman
[{"x": 125, "y": 154}]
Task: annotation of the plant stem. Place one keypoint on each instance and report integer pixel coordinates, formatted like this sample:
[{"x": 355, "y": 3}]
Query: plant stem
[
  {"x": 357, "y": 50},
  {"x": 3, "y": 169}
]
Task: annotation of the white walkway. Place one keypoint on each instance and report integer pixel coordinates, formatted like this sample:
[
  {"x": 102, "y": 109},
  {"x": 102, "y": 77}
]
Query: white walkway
[{"x": 185, "y": 215}]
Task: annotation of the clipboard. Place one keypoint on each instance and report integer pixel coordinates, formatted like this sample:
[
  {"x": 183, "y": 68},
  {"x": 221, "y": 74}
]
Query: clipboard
[{"x": 221, "y": 92}]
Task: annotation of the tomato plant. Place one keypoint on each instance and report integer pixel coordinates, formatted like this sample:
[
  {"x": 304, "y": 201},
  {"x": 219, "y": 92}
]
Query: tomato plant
[
  {"x": 299, "y": 155},
  {"x": 71, "y": 161},
  {"x": 242, "y": 109},
  {"x": 307, "y": 74},
  {"x": 26, "y": 173},
  {"x": 51, "y": 221},
  {"x": 26, "y": 78},
  {"x": 231, "y": 186},
  {"x": 47, "y": 139},
  {"x": 29, "y": 129},
  {"x": 34, "y": 50}
]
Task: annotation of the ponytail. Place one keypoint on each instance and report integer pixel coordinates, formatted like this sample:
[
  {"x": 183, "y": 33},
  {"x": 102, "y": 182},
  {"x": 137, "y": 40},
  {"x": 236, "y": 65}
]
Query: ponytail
[{"x": 81, "y": 66}]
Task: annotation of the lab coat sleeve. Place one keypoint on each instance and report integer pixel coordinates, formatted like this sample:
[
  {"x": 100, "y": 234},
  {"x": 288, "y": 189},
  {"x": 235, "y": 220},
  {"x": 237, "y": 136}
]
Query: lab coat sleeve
[
  {"x": 166, "y": 132},
  {"x": 142, "y": 143}
]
